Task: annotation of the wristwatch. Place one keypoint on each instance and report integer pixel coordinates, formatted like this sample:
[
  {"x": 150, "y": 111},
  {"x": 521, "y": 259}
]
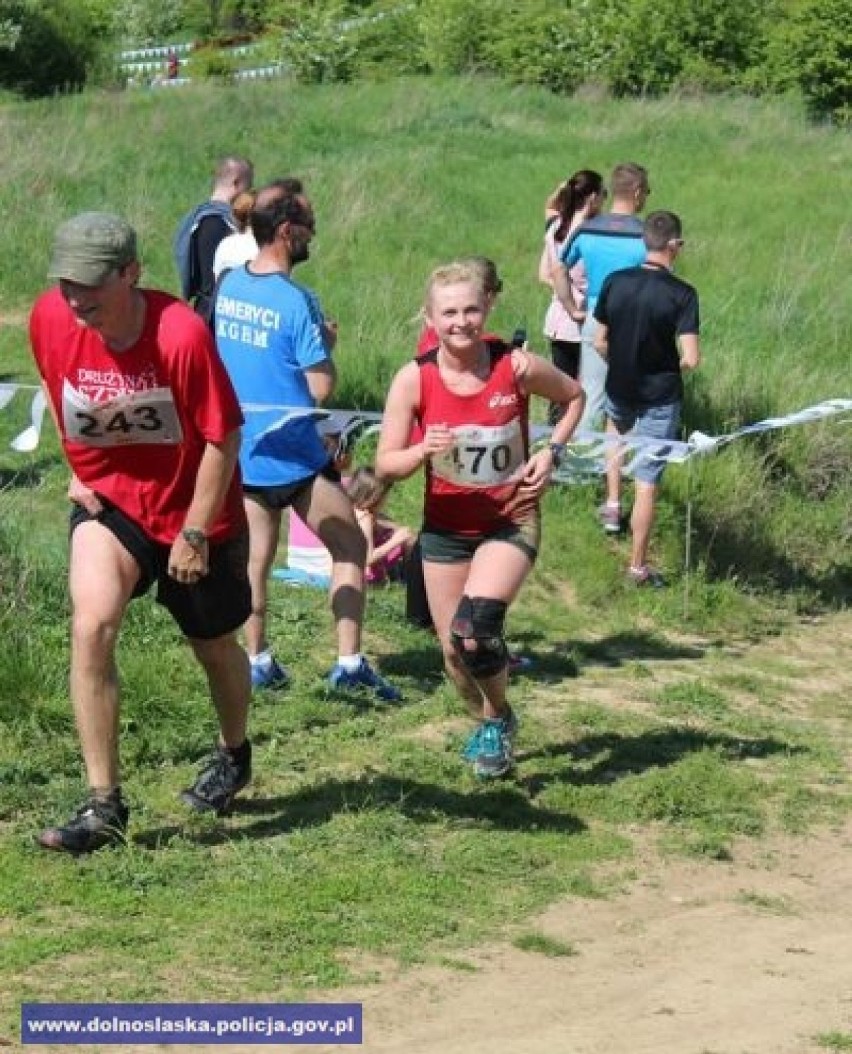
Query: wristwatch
[
  {"x": 194, "y": 536},
  {"x": 556, "y": 452}
]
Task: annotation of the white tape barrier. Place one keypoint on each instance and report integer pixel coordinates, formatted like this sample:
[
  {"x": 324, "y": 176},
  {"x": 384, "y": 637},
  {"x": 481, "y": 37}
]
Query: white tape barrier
[
  {"x": 28, "y": 440},
  {"x": 585, "y": 455}
]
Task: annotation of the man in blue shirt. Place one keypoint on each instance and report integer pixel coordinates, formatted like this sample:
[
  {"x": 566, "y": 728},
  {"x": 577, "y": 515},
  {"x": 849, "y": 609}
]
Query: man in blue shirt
[
  {"x": 605, "y": 243},
  {"x": 277, "y": 347}
]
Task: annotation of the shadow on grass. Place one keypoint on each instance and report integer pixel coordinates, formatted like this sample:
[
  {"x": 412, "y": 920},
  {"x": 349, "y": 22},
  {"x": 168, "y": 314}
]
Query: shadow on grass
[
  {"x": 631, "y": 646},
  {"x": 506, "y": 807},
  {"x": 745, "y": 549},
  {"x": 603, "y": 758},
  {"x": 564, "y": 660},
  {"x": 28, "y": 475}
]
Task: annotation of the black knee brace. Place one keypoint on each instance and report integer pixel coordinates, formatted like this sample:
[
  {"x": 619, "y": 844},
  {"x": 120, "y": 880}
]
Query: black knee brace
[{"x": 477, "y": 635}]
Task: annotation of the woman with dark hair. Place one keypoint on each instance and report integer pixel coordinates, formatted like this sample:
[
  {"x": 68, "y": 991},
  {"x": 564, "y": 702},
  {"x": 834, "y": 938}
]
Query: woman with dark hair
[{"x": 579, "y": 198}]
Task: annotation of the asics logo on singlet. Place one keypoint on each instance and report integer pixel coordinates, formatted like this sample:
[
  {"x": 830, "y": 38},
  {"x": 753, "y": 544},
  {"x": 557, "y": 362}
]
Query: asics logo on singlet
[{"x": 502, "y": 400}]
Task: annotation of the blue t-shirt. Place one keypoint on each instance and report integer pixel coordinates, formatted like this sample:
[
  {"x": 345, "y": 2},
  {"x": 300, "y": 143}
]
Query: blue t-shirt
[
  {"x": 268, "y": 332},
  {"x": 606, "y": 243}
]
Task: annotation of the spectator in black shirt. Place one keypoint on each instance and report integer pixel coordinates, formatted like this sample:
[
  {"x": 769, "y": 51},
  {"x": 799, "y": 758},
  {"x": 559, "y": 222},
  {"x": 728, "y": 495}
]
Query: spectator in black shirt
[
  {"x": 648, "y": 333},
  {"x": 201, "y": 230}
]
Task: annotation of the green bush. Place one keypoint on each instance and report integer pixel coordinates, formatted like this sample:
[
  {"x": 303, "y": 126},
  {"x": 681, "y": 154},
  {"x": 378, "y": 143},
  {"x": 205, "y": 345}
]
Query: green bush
[
  {"x": 818, "y": 45},
  {"x": 54, "y": 45},
  {"x": 387, "y": 40},
  {"x": 451, "y": 35},
  {"x": 316, "y": 46},
  {"x": 210, "y": 64},
  {"x": 658, "y": 43},
  {"x": 546, "y": 42}
]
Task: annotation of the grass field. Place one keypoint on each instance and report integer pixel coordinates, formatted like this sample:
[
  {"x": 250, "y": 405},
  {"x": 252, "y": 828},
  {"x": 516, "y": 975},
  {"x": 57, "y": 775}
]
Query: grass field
[{"x": 364, "y": 837}]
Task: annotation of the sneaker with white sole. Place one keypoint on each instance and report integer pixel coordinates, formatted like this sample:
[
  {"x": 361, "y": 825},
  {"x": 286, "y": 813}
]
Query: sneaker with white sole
[
  {"x": 609, "y": 518},
  {"x": 646, "y": 577},
  {"x": 363, "y": 679},
  {"x": 495, "y": 756},
  {"x": 474, "y": 745},
  {"x": 272, "y": 677}
]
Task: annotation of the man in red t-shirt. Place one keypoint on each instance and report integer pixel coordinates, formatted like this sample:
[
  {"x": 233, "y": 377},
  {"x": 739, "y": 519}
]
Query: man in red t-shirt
[{"x": 150, "y": 427}]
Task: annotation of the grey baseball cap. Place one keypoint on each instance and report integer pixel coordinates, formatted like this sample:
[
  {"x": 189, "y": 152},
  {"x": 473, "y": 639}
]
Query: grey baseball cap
[{"x": 89, "y": 246}]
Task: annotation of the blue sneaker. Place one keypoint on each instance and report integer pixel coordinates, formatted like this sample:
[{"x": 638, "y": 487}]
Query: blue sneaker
[
  {"x": 471, "y": 748},
  {"x": 364, "y": 678},
  {"x": 273, "y": 677},
  {"x": 475, "y": 744},
  {"x": 495, "y": 749}
]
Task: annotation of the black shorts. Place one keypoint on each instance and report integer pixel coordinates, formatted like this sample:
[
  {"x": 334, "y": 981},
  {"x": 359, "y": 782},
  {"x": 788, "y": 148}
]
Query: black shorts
[
  {"x": 444, "y": 547},
  {"x": 217, "y": 604},
  {"x": 282, "y": 496}
]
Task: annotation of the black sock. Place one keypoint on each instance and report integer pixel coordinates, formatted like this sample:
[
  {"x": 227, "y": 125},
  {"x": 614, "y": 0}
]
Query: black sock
[{"x": 242, "y": 754}]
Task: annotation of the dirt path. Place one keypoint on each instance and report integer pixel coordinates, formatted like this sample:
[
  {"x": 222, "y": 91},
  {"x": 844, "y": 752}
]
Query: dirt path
[
  {"x": 748, "y": 957},
  {"x": 745, "y": 958}
]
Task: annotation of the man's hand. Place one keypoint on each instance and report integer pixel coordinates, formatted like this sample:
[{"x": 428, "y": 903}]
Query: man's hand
[
  {"x": 188, "y": 563},
  {"x": 84, "y": 496}
]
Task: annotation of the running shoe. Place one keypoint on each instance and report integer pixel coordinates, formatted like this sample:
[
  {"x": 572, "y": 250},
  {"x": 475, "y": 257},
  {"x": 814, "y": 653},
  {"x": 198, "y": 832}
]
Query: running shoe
[
  {"x": 363, "y": 679},
  {"x": 273, "y": 677},
  {"x": 473, "y": 747},
  {"x": 517, "y": 663},
  {"x": 610, "y": 518},
  {"x": 97, "y": 823},
  {"x": 646, "y": 577},
  {"x": 495, "y": 750},
  {"x": 220, "y": 780}
]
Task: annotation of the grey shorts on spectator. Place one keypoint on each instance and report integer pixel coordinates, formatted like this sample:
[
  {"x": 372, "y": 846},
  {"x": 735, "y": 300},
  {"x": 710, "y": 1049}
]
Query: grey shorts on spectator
[{"x": 655, "y": 422}]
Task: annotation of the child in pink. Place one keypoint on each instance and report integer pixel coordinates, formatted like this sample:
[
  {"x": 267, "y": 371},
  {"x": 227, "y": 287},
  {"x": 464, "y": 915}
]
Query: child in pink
[{"x": 388, "y": 543}]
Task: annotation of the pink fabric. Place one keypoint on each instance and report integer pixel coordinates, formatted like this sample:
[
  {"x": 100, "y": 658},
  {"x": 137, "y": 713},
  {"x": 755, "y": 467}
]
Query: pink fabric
[
  {"x": 305, "y": 551},
  {"x": 379, "y": 572}
]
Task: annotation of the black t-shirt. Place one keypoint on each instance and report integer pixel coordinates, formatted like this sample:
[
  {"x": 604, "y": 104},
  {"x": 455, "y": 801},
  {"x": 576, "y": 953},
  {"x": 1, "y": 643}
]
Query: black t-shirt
[
  {"x": 645, "y": 310},
  {"x": 210, "y": 231}
]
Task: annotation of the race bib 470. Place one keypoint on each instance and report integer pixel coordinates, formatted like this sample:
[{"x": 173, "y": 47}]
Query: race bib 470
[{"x": 484, "y": 456}]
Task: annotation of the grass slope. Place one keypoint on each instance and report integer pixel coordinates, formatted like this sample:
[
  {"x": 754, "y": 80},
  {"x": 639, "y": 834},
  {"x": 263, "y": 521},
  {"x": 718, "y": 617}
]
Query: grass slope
[{"x": 364, "y": 836}]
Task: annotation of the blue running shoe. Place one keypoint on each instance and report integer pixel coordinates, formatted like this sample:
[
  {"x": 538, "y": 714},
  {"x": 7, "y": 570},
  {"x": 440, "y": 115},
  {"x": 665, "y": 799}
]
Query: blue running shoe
[
  {"x": 364, "y": 678},
  {"x": 273, "y": 677},
  {"x": 495, "y": 750},
  {"x": 473, "y": 747}
]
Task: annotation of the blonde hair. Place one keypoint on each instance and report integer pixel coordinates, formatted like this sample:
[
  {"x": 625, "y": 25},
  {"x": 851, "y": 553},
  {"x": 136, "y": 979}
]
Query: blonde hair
[
  {"x": 492, "y": 283},
  {"x": 365, "y": 489},
  {"x": 453, "y": 274}
]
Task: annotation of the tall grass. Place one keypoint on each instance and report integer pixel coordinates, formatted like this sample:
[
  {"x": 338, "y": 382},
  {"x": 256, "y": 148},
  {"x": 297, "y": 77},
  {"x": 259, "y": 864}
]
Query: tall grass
[{"x": 362, "y": 831}]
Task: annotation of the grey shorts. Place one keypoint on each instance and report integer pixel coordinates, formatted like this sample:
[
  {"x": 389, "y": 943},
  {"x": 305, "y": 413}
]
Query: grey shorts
[
  {"x": 444, "y": 547},
  {"x": 655, "y": 422},
  {"x": 217, "y": 604}
]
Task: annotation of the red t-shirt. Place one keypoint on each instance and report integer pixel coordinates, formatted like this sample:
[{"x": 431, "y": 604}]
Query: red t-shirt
[
  {"x": 135, "y": 423},
  {"x": 468, "y": 489}
]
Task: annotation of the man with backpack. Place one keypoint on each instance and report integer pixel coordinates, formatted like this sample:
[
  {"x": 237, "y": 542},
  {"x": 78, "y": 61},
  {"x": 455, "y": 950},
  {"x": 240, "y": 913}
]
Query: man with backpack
[{"x": 203, "y": 227}]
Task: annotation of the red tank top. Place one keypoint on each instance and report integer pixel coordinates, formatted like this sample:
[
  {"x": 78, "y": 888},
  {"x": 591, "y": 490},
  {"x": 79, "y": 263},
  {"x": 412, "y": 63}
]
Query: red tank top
[{"x": 467, "y": 490}]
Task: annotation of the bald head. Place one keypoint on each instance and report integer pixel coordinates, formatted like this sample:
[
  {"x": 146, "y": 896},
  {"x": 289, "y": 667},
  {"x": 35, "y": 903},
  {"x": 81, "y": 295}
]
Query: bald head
[{"x": 232, "y": 176}]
